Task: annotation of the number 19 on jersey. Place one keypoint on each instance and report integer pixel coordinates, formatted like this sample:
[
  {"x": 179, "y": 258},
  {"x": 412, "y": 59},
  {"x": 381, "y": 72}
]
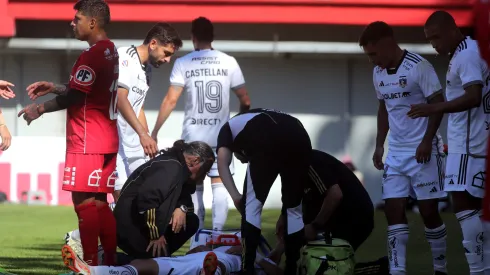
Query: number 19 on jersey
[{"x": 209, "y": 96}]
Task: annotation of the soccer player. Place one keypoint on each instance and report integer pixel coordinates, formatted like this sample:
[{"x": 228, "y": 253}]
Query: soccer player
[
  {"x": 203, "y": 260},
  {"x": 135, "y": 64},
  {"x": 7, "y": 93},
  {"x": 207, "y": 75},
  {"x": 157, "y": 194},
  {"x": 468, "y": 122},
  {"x": 335, "y": 202},
  {"x": 272, "y": 143},
  {"x": 414, "y": 163},
  {"x": 92, "y": 138}
]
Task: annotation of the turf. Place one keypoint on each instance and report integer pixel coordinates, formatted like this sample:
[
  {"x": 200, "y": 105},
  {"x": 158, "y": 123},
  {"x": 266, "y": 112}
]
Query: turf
[{"x": 31, "y": 238}]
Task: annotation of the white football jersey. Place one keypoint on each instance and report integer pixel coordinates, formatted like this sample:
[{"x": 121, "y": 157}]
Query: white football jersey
[
  {"x": 207, "y": 77},
  {"x": 413, "y": 81},
  {"x": 467, "y": 131},
  {"x": 135, "y": 77}
]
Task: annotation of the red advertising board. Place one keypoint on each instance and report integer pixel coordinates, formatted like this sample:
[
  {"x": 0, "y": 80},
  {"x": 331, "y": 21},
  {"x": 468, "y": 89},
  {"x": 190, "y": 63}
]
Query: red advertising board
[{"x": 339, "y": 12}]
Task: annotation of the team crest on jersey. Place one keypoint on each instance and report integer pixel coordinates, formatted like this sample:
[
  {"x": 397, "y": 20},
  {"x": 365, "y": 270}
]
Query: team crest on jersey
[
  {"x": 125, "y": 63},
  {"x": 403, "y": 81},
  {"x": 84, "y": 76}
]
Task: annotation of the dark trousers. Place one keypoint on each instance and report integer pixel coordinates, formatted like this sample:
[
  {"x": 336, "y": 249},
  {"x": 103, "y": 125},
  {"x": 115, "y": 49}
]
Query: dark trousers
[
  {"x": 354, "y": 228},
  {"x": 292, "y": 164},
  {"x": 134, "y": 241}
]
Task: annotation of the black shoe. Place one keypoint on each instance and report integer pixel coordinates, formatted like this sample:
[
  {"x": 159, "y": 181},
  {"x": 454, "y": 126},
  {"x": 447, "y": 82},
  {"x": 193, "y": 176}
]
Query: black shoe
[{"x": 439, "y": 273}]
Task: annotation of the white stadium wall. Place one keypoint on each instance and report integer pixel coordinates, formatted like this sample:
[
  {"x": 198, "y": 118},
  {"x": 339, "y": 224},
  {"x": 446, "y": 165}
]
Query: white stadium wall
[{"x": 332, "y": 96}]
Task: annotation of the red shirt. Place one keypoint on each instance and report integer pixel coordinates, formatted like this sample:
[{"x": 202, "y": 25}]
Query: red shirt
[{"x": 91, "y": 126}]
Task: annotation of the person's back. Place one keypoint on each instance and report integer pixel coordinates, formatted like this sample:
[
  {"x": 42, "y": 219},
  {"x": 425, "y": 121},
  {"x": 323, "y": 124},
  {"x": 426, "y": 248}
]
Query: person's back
[
  {"x": 209, "y": 76},
  {"x": 355, "y": 197}
]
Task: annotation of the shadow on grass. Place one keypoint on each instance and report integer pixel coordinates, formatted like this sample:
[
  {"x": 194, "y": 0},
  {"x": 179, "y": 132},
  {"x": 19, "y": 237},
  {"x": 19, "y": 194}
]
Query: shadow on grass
[{"x": 36, "y": 260}]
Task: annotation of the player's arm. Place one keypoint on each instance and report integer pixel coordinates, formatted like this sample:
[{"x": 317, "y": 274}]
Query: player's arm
[
  {"x": 326, "y": 183},
  {"x": 238, "y": 86},
  {"x": 382, "y": 123},
  {"x": 61, "y": 102},
  {"x": 152, "y": 195},
  {"x": 126, "y": 110},
  {"x": 472, "y": 80},
  {"x": 177, "y": 83},
  {"x": 382, "y": 116},
  {"x": 167, "y": 106},
  {"x": 431, "y": 87},
  {"x": 185, "y": 199},
  {"x": 142, "y": 119},
  {"x": 225, "y": 155}
]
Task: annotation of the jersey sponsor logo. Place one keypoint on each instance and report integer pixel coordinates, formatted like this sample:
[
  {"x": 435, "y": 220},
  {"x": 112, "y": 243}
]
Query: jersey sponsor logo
[
  {"x": 205, "y": 121},
  {"x": 424, "y": 184},
  {"x": 206, "y": 60},
  {"x": 396, "y": 95},
  {"x": 84, "y": 76}
]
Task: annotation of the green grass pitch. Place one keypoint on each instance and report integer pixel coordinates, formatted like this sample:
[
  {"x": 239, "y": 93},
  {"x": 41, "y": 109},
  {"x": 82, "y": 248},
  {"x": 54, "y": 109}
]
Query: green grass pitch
[{"x": 31, "y": 238}]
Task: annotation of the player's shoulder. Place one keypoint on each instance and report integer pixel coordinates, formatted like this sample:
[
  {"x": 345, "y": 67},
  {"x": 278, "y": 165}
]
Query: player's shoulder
[
  {"x": 468, "y": 48},
  {"x": 413, "y": 58},
  {"x": 378, "y": 71}
]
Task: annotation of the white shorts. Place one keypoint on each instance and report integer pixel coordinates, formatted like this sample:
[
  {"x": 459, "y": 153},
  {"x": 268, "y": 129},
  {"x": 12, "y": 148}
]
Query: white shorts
[
  {"x": 126, "y": 163},
  {"x": 465, "y": 173},
  {"x": 214, "y": 169},
  {"x": 404, "y": 177}
]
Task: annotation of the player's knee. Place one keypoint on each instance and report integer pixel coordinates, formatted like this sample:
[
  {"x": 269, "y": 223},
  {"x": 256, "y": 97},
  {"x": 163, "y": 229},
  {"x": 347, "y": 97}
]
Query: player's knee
[
  {"x": 395, "y": 211},
  {"x": 429, "y": 211},
  {"x": 146, "y": 266},
  {"x": 465, "y": 201}
]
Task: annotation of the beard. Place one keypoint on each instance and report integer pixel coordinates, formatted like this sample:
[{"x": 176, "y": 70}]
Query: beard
[{"x": 154, "y": 61}]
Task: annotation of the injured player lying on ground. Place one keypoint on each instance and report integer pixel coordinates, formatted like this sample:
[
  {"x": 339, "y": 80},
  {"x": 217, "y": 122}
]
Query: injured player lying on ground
[{"x": 213, "y": 253}]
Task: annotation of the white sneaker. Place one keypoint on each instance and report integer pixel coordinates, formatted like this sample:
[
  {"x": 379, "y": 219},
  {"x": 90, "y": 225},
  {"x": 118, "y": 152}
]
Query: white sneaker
[
  {"x": 74, "y": 262},
  {"x": 74, "y": 243}
]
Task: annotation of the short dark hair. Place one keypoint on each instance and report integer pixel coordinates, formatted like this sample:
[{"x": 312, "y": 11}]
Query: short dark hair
[
  {"x": 442, "y": 18},
  {"x": 202, "y": 29},
  {"x": 95, "y": 8},
  {"x": 375, "y": 32},
  {"x": 165, "y": 34}
]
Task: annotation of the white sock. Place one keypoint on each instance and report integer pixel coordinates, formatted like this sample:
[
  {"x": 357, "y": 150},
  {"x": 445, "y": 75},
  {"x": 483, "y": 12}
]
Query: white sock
[
  {"x": 437, "y": 240},
  {"x": 110, "y": 270},
  {"x": 220, "y": 206},
  {"x": 486, "y": 246},
  {"x": 472, "y": 228},
  {"x": 397, "y": 248},
  {"x": 197, "y": 200},
  {"x": 75, "y": 234}
]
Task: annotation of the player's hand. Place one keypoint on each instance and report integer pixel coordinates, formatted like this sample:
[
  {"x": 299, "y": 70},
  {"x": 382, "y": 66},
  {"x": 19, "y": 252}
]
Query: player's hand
[
  {"x": 378, "y": 158},
  {"x": 280, "y": 229},
  {"x": 178, "y": 220},
  {"x": 424, "y": 152},
  {"x": 30, "y": 113},
  {"x": 39, "y": 89},
  {"x": 238, "y": 204},
  {"x": 421, "y": 110},
  {"x": 149, "y": 145},
  {"x": 6, "y": 137},
  {"x": 310, "y": 232},
  {"x": 158, "y": 246},
  {"x": 5, "y": 90}
]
